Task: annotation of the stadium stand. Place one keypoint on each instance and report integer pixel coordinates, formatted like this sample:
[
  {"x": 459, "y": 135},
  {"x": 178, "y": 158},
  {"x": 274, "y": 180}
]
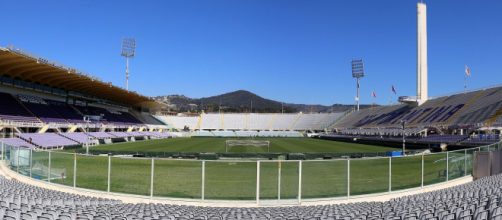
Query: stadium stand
[
  {"x": 482, "y": 139},
  {"x": 380, "y": 131},
  {"x": 45, "y": 103},
  {"x": 101, "y": 135},
  {"x": 179, "y": 122},
  {"x": 233, "y": 121},
  {"x": 444, "y": 138},
  {"x": 59, "y": 140},
  {"x": 79, "y": 137},
  {"x": 462, "y": 119},
  {"x": 12, "y": 110},
  {"x": 223, "y": 133},
  {"x": 254, "y": 121},
  {"x": 41, "y": 109},
  {"x": 211, "y": 122},
  {"x": 202, "y": 134},
  {"x": 316, "y": 121},
  {"x": 146, "y": 118},
  {"x": 475, "y": 109},
  {"x": 47, "y": 140},
  {"x": 66, "y": 111},
  {"x": 22, "y": 114},
  {"x": 17, "y": 142},
  {"x": 260, "y": 121},
  {"x": 117, "y": 134},
  {"x": 109, "y": 116},
  {"x": 481, "y": 199},
  {"x": 284, "y": 122},
  {"x": 279, "y": 134},
  {"x": 246, "y": 134},
  {"x": 35, "y": 110},
  {"x": 159, "y": 134}
]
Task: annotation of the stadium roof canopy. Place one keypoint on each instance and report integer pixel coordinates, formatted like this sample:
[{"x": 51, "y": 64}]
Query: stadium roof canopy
[{"x": 17, "y": 64}]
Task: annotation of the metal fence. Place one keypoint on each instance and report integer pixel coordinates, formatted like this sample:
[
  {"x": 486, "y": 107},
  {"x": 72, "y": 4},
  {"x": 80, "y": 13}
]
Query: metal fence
[{"x": 262, "y": 180}]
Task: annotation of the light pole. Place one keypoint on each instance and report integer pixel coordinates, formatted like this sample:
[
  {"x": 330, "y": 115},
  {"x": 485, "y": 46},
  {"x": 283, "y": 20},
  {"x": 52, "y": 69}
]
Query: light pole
[
  {"x": 403, "y": 124},
  {"x": 128, "y": 51},
  {"x": 357, "y": 73}
]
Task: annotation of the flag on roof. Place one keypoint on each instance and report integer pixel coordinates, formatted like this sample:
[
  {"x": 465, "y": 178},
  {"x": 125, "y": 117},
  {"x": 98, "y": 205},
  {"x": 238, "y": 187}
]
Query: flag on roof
[{"x": 467, "y": 71}]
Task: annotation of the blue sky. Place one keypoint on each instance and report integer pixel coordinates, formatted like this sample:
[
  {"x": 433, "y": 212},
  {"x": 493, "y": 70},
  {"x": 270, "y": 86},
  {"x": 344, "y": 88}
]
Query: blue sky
[{"x": 289, "y": 50}]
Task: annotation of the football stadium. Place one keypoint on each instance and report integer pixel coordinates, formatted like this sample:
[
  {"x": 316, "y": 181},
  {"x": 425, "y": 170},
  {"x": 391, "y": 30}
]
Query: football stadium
[{"x": 76, "y": 147}]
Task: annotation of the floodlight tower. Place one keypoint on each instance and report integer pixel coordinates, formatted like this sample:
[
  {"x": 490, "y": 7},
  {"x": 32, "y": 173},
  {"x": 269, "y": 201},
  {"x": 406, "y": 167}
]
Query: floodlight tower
[
  {"x": 128, "y": 50},
  {"x": 357, "y": 73}
]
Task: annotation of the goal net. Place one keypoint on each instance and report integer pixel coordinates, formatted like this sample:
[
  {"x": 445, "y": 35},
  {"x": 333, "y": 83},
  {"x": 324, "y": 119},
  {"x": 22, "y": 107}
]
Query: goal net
[{"x": 229, "y": 144}]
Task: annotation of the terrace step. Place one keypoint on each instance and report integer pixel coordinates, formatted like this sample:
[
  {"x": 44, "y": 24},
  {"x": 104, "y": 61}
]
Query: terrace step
[
  {"x": 467, "y": 104},
  {"x": 492, "y": 119}
]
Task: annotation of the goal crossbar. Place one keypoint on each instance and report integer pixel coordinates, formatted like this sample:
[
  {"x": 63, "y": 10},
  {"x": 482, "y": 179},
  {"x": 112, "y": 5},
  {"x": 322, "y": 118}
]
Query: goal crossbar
[{"x": 247, "y": 143}]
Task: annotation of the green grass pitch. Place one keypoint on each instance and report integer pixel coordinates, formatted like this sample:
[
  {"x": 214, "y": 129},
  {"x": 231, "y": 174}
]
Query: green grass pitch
[
  {"x": 237, "y": 179},
  {"x": 281, "y": 145}
]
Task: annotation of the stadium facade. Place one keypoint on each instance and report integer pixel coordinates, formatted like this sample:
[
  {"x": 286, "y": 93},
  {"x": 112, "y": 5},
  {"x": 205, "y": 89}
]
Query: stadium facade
[{"x": 47, "y": 105}]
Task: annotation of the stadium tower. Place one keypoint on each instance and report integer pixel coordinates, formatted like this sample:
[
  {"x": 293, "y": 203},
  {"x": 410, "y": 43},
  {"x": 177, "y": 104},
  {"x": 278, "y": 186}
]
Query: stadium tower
[
  {"x": 422, "y": 88},
  {"x": 422, "y": 95}
]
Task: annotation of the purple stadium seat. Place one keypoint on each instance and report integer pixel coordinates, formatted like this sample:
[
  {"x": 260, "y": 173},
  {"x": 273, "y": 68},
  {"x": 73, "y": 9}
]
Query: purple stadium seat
[
  {"x": 47, "y": 140},
  {"x": 16, "y": 142}
]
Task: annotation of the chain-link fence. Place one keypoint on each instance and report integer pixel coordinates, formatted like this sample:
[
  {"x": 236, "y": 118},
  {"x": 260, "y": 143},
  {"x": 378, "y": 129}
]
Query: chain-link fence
[{"x": 260, "y": 180}]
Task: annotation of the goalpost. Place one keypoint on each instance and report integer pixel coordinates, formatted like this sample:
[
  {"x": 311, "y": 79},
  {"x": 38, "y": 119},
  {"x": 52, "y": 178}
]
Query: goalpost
[{"x": 246, "y": 143}]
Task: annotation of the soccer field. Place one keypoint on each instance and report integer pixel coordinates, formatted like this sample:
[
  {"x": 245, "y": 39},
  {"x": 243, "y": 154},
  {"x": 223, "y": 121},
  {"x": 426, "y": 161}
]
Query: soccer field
[
  {"x": 236, "y": 179},
  {"x": 278, "y": 145}
]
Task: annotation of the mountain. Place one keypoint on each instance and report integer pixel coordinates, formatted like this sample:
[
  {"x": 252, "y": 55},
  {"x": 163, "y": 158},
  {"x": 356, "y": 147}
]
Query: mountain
[{"x": 243, "y": 101}]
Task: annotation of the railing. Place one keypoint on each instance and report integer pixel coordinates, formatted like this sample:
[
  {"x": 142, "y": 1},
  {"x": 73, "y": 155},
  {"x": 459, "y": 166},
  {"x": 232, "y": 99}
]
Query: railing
[
  {"x": 259, "y": 181},
  {"x": 21, "y": 123}
]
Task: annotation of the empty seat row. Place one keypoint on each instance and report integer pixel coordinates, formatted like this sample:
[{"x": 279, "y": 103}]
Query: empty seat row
[{"x": 481, "y": 199}]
